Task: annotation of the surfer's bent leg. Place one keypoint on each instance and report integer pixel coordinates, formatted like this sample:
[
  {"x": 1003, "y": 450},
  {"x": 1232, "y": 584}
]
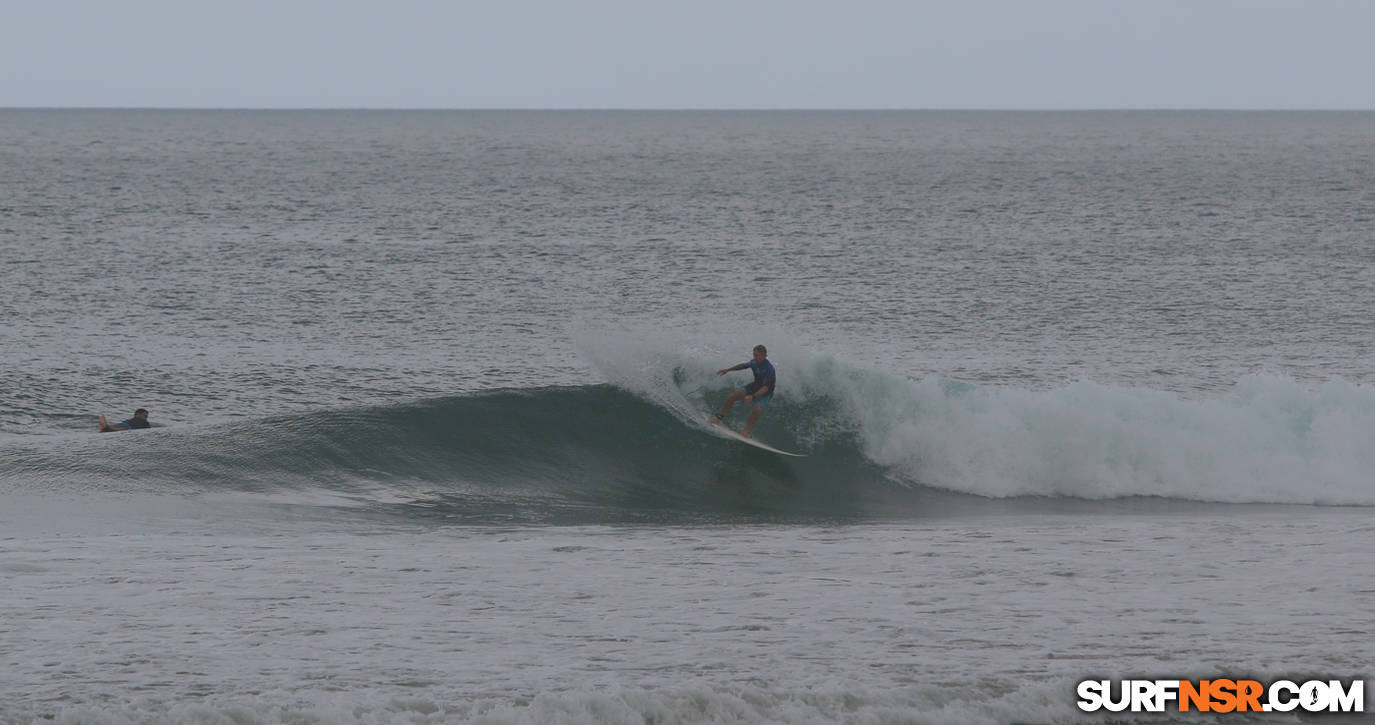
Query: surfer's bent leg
[
  {"x": 754, "y": 415},
  {"x": 730, "y": 403}
]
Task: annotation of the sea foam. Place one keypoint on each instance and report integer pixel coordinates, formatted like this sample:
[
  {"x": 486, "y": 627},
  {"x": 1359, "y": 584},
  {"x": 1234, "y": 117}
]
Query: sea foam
[{"x": 1271, "y": 439}]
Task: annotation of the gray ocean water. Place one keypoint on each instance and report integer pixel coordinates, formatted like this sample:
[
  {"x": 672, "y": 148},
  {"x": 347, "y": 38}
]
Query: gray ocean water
[{"x": 1083, "y": 394}]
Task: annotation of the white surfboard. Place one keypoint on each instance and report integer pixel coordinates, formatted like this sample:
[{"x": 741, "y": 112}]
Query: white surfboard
[{"x": 725, "y": 432}]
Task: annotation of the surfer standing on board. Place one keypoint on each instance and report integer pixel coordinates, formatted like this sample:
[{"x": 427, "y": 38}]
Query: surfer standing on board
[{"x": 759, "y": 392}]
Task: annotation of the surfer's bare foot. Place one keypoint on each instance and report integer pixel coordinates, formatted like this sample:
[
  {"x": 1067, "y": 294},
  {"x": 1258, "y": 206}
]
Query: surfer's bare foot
[
  {"x": 745, "y": 434},
  {"x": 714, "y": 420}
]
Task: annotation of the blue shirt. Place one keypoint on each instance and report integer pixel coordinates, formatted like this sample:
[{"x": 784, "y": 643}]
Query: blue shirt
[{"x": 764, "y": 377}]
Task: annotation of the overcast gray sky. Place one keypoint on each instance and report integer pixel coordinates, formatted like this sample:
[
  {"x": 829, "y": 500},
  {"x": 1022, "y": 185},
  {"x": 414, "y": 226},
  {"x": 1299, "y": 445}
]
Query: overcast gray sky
[{"x": 1035, "y": 54}]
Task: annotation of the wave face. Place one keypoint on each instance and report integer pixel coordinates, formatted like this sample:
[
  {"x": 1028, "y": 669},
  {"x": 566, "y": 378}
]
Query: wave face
[
  {"x": 585, "y": 454},
  {"x": 878, "y": 445}
]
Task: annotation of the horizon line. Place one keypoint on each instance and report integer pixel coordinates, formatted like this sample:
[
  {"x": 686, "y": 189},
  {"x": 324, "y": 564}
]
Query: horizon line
[{"x": 691, "y": 109}]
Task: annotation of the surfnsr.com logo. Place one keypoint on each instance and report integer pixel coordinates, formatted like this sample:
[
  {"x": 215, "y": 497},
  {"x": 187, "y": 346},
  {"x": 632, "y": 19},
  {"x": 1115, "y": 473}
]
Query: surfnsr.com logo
[{"x": 1221, "y": 695}]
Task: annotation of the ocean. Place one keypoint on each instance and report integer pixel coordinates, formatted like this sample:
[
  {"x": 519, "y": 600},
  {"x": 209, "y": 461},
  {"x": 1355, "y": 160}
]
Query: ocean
[{"x": 1083, "y": 395}]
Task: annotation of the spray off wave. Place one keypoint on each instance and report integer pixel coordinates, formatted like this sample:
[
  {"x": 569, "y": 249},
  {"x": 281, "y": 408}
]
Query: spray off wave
[{"x": 1269, "y": 440}]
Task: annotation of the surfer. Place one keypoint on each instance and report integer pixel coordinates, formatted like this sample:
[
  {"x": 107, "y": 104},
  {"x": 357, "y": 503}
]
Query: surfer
[
  {"x": 759, "y": 392},
  {"x": 140, "y": 420}
]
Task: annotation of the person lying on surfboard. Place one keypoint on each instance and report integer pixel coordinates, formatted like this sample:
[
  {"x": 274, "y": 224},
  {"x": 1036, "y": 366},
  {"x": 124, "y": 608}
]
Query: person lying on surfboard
[
  {"x": 140, "y": 420},
  {"x": 759, "y": 392}
]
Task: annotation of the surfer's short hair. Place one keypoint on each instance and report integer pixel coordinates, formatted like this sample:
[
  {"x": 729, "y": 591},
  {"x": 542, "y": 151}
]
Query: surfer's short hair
[
  {"x": 761, "y": 349},
  {"x": 141, "y": 410}
]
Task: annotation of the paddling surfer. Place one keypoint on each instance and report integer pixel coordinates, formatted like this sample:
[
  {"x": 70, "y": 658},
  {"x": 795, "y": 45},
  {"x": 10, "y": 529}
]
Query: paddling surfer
[
  {"x": 759, "y": 392},
  {"x": 140, "y": 420}
]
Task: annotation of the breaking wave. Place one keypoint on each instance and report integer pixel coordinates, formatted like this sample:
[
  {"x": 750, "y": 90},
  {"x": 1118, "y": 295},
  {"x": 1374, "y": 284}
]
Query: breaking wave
[{"x": 637, "y": 449}]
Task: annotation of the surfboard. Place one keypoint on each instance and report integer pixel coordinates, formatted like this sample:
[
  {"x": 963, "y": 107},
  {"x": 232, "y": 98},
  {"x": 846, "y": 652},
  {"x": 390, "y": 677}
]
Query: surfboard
[{"x": 725, "y": 432}]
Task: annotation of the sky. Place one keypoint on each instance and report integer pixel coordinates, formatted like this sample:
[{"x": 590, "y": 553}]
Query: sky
[{"x": 651, "y": 54}]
